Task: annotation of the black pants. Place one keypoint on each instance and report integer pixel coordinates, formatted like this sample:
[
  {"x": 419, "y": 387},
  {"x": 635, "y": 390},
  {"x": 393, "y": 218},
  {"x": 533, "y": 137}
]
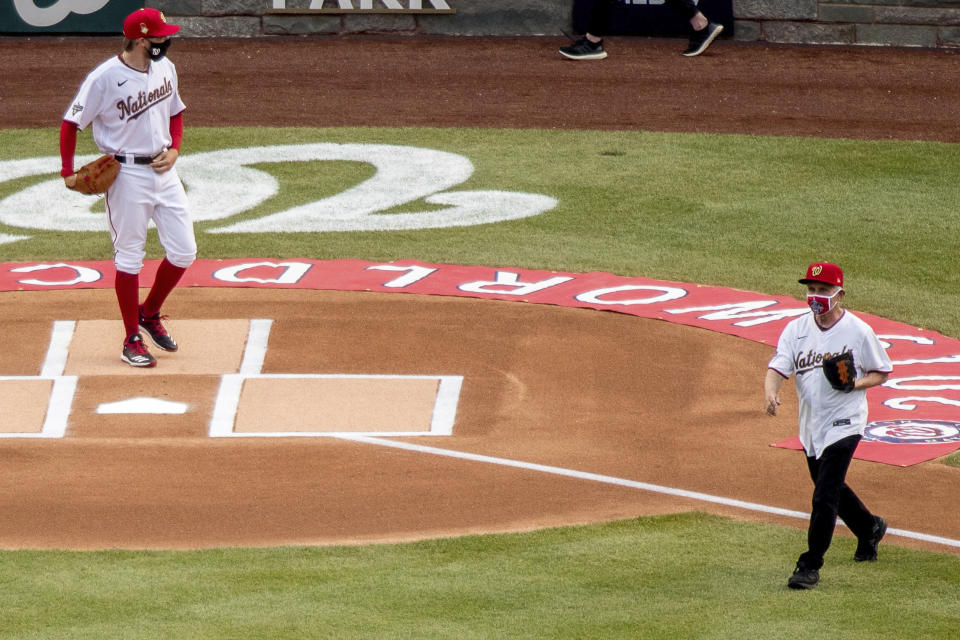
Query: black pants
[
  {"x": 831, "y": 498},
  {"x": 601, "y": 13}
]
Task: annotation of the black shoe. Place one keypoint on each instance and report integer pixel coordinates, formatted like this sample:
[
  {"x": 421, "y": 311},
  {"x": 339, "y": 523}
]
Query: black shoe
[
  {"x": 867, "y": 547},
  {"x": 157, "y": 332},
  {"x": 583, "y": 49},
  {"x": 803, "y": 578},
  {"x": 135, "y": 353},
  {"x": 700, "y": 40}
]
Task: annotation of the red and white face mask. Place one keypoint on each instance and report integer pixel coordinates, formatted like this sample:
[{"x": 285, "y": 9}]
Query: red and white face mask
[{"x": 822, "y": 304}]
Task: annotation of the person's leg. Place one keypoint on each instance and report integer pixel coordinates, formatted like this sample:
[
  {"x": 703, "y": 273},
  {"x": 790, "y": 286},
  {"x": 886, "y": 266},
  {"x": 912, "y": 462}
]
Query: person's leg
[
  {"x": 599, "y": 18},
  {"x": 175, "y": 229},
  {"x": 590, "y": 45},
  {"x": 688, "y": 9},
  {"x": 868, "y": 528},
  {"x": 168, "y": 275},
  {"x": 828, "y": 474},
  {"x": 134, "y": 351},
  {"x": 704, "y": 31},
  {"x": 128, "y": 214},
  {"x": 149, "y": 318},
  {"x": 127, "y": 287},
  {"x": 854, "y": 513},
  {"x": 830, "y": 490}
]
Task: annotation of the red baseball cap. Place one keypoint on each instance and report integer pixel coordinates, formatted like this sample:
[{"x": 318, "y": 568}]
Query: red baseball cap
[
  {"x": 825, "y": 272},
  {"x": 147, "y": 23}
]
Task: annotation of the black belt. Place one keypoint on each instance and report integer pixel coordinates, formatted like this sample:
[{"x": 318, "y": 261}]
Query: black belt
[{"x": 135, "y": 159}]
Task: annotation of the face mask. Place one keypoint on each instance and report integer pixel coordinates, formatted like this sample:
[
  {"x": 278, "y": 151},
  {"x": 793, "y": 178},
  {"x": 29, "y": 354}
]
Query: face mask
[
  {"x": 157, "y": 51},
  {"x": 822, "y": 304}
]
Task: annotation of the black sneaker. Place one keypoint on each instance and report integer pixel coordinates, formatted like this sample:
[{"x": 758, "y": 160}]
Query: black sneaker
[
  {"x": 700, "y": 40},
  {"x": 867, "y": 547},
  {"x": 803, "y": 578},
  {"x": 156, "y": 331},
  {"x": 583, "y": 49},
  {"x": 135, "y": 353}
]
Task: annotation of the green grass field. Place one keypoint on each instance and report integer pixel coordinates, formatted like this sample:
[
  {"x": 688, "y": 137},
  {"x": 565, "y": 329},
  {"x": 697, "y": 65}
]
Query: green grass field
[
  {"x": 689, "y": 576},
  {"x": 739, "y": 211}
]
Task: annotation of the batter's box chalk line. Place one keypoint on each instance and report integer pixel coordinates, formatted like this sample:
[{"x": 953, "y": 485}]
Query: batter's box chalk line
[
  {"x": 228, "y": 398},
  {"x": 63, "y": 387}
]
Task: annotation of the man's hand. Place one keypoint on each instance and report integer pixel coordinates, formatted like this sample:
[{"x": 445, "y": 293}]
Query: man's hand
[
  {"x": 164, "y": 161},
  {"x": 771, "y": 391},
  {"x": 70, "y": 181},
  {"x": 772, "y": 404}
]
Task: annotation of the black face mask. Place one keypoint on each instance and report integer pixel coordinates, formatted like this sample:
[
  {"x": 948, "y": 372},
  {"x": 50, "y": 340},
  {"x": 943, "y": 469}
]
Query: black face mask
[{"x": 158, "y": 50}]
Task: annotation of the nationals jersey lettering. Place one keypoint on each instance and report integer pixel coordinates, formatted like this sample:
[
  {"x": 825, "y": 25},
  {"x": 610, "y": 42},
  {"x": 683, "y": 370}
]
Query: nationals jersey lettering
[
  {"x": 825, "y": 414},
  {"x": 804, "y": 362},
  {"x": 134, "y": 108},
  {"x": 129, "y": 109}
]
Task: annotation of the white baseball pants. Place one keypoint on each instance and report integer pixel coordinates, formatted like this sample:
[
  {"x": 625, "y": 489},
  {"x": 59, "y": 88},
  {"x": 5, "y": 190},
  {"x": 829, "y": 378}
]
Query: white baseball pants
[{"x": 139, "y": 195}]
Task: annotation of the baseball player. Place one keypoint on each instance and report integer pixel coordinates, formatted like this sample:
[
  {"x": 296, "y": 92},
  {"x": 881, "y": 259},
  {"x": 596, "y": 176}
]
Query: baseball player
[
  {"x": 832, "y": 417},
  {"x": 132, "y": 102}
]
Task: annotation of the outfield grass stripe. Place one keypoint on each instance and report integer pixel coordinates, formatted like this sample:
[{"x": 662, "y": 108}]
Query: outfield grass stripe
[{"x": 623, "y": 482}]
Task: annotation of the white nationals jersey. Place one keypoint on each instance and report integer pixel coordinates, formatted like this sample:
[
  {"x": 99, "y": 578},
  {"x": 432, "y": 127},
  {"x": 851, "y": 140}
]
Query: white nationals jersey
[
  {"x": 130, "y": 110},
  {"x": 827, "y": 415}
]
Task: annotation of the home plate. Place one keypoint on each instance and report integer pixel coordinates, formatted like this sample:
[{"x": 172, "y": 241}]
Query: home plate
[{"x": 143, "y": 405}]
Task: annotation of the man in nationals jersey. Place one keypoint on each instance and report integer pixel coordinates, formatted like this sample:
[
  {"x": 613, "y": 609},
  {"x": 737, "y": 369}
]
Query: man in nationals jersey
[
  {"x": 831, "y": 421},
  {"x": 133, "y": 103}
]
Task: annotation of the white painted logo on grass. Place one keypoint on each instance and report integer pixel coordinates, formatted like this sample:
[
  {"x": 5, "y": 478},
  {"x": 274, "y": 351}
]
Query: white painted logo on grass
[
  {"x": 409, "y": 190},
  {"x": 55, "y": 13}
]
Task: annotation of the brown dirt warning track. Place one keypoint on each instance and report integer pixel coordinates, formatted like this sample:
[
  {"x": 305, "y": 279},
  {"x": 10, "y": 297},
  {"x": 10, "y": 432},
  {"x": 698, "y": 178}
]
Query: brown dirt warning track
[{"x": 565, "y": 388}]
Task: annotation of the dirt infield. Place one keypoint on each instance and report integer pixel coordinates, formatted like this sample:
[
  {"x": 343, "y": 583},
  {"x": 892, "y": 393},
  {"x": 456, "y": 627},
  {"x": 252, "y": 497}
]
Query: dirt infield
[
  {"x": 521, "y": 82},
  {"x": 559, "y": 387}
]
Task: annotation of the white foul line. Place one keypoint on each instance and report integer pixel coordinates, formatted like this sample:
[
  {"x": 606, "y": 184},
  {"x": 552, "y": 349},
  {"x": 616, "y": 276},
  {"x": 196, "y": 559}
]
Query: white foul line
[{"x": 633, "y": 484}]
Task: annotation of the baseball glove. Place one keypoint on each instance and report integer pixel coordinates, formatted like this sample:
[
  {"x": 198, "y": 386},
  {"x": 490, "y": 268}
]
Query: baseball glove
[
  {"x": 95, "y": 177},
  {"x": 840, "y": 372}
]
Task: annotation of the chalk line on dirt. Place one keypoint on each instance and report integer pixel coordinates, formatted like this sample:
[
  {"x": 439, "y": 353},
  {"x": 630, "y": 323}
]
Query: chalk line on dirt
[{"x": 623, "y": 482}]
